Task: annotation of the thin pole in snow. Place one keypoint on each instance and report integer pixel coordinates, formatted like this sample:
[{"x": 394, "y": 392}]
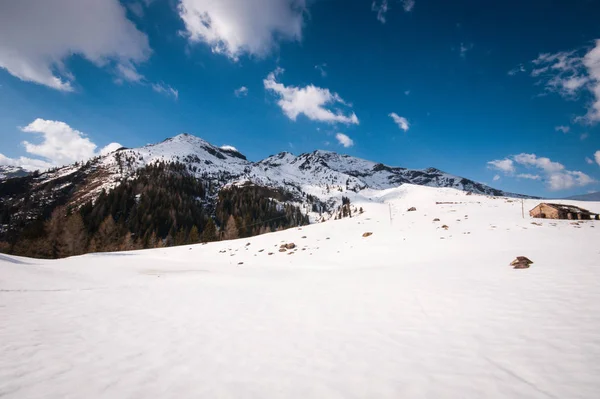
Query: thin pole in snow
[
  {"x": 390, "y": 207},
  {"x": 523, "y": 207}
]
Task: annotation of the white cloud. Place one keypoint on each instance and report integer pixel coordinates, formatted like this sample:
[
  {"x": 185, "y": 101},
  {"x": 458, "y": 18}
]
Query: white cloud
[
  {"x": 496, "y": 178},
  {"x": 229, "y": 148},
  {"x": 401, "y": 121},
  {"x": 129, "y": 73},
  {"x": 528, "y": 176},
  {"x": 556, "y": 176},
  {"x": 570, "y": 74},
  {"x": 505, "y": 165},
  {"x": 584, "y": 136},
  {"x": 310, "y": 101},
  {"x": 344, "y": 140},
  {"x": 60, "y": 145},
  {"x": 589, "y": 161},
  {"x": 38, "y": 37},
  {"x": 597, "y": 157},
  {"x": 543, "y": 163},
  {"x": 408, "y": 5},
  {"x": 518, "y": 69},
  {"x": 236, "y": 27},
  {"x": 567, "y": 180},
  {"x": 29, "y": 164},
  {"x": 112, "y": 147},
  {"x": 321, "y": 69},
  {"x": 165, "y": 89},
  {"x": 241, "y": 92},
  {"x": 381, "y": 8},
  {"x": 564, "y": 129},
  {"x": 592, "y": 63},
  {"x": 464, "y": 48}
]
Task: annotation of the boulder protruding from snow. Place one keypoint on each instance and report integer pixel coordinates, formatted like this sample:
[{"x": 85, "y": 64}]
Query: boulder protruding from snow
[
  {"x": 411, "y": 209},
  {"x": 521, "y": 262},
  {"x": 367, "y": 234}
]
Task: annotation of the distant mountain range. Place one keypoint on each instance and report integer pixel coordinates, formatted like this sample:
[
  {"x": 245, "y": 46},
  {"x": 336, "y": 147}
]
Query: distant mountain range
[
  {"x": 586, "y": 197},
  {"x": 8, "y": 172}
]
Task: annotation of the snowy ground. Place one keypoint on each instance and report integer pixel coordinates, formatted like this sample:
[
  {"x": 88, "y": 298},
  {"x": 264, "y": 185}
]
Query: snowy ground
[{"x": 413, "y": 311}]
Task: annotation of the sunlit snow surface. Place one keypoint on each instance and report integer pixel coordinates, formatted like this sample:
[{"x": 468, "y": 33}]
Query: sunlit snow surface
[{"x": 413, "y": 311}]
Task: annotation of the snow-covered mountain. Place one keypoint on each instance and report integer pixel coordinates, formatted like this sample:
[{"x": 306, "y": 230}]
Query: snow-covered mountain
[
  {"x": 7, "y": 172},
  {"x": 320, "y": 173},
  {"x": 313, "y": 182}
]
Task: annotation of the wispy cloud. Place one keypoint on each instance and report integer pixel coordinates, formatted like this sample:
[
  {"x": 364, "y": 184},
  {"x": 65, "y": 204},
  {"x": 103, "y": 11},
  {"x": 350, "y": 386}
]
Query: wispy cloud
[
  {"x": 321, "y": 69},
  {"x": 381, "y": 8},
  {"x": 408, "y": 5},
  {"x": 570, "y": 74},
  {"x": 564, "y": 129},
  {"x": 344, "y": 140},
  {"x": 465, "y": 48},
  {"x": 401, "y": 121},
  {"x": 518, "y": 69},
  {"x": 165, "y": 89},
  {"x": 241, "y": 92}
]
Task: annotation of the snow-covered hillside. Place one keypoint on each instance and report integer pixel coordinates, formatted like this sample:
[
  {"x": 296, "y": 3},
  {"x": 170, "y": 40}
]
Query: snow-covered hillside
[{"x": 415, "y": 310}]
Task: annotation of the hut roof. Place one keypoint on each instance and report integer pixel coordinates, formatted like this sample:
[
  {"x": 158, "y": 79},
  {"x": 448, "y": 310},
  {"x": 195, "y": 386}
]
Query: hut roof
[{"x": 568, "y": 208}]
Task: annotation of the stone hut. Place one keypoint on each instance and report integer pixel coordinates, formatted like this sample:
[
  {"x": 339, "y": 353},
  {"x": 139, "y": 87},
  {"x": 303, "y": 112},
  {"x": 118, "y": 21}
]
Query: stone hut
[{"x": 547, "y": 210}]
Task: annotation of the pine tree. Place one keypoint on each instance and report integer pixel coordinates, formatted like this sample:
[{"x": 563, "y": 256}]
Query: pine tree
[
  {"x": 181, "y": 237},
  {"x": 194, "y": 235},
  {"x": 106, "y": 237},
  {"x": 210, "y": 231},
  {"x": 54, "y": 228}
]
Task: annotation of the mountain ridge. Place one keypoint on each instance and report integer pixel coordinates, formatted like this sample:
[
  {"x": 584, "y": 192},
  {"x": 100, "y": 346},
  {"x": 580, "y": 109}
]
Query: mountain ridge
[{"x": 306, "y": 172}]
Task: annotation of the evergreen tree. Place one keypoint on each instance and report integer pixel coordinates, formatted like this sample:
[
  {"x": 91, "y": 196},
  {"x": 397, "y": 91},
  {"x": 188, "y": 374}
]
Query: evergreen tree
[
  {"x": 194, "y": 235},
  {"x": 210, "y": 231},
  {"x": 106, "y": 237}
]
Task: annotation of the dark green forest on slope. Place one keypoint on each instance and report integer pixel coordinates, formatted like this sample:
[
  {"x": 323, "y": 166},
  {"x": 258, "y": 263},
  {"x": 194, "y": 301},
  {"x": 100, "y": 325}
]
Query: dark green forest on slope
[{"x": 162, "y": 205}]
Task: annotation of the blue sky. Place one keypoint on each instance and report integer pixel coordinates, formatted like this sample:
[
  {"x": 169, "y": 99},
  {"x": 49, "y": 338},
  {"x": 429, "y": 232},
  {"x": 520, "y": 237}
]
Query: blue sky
[{"x": 501, "y": 92}]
